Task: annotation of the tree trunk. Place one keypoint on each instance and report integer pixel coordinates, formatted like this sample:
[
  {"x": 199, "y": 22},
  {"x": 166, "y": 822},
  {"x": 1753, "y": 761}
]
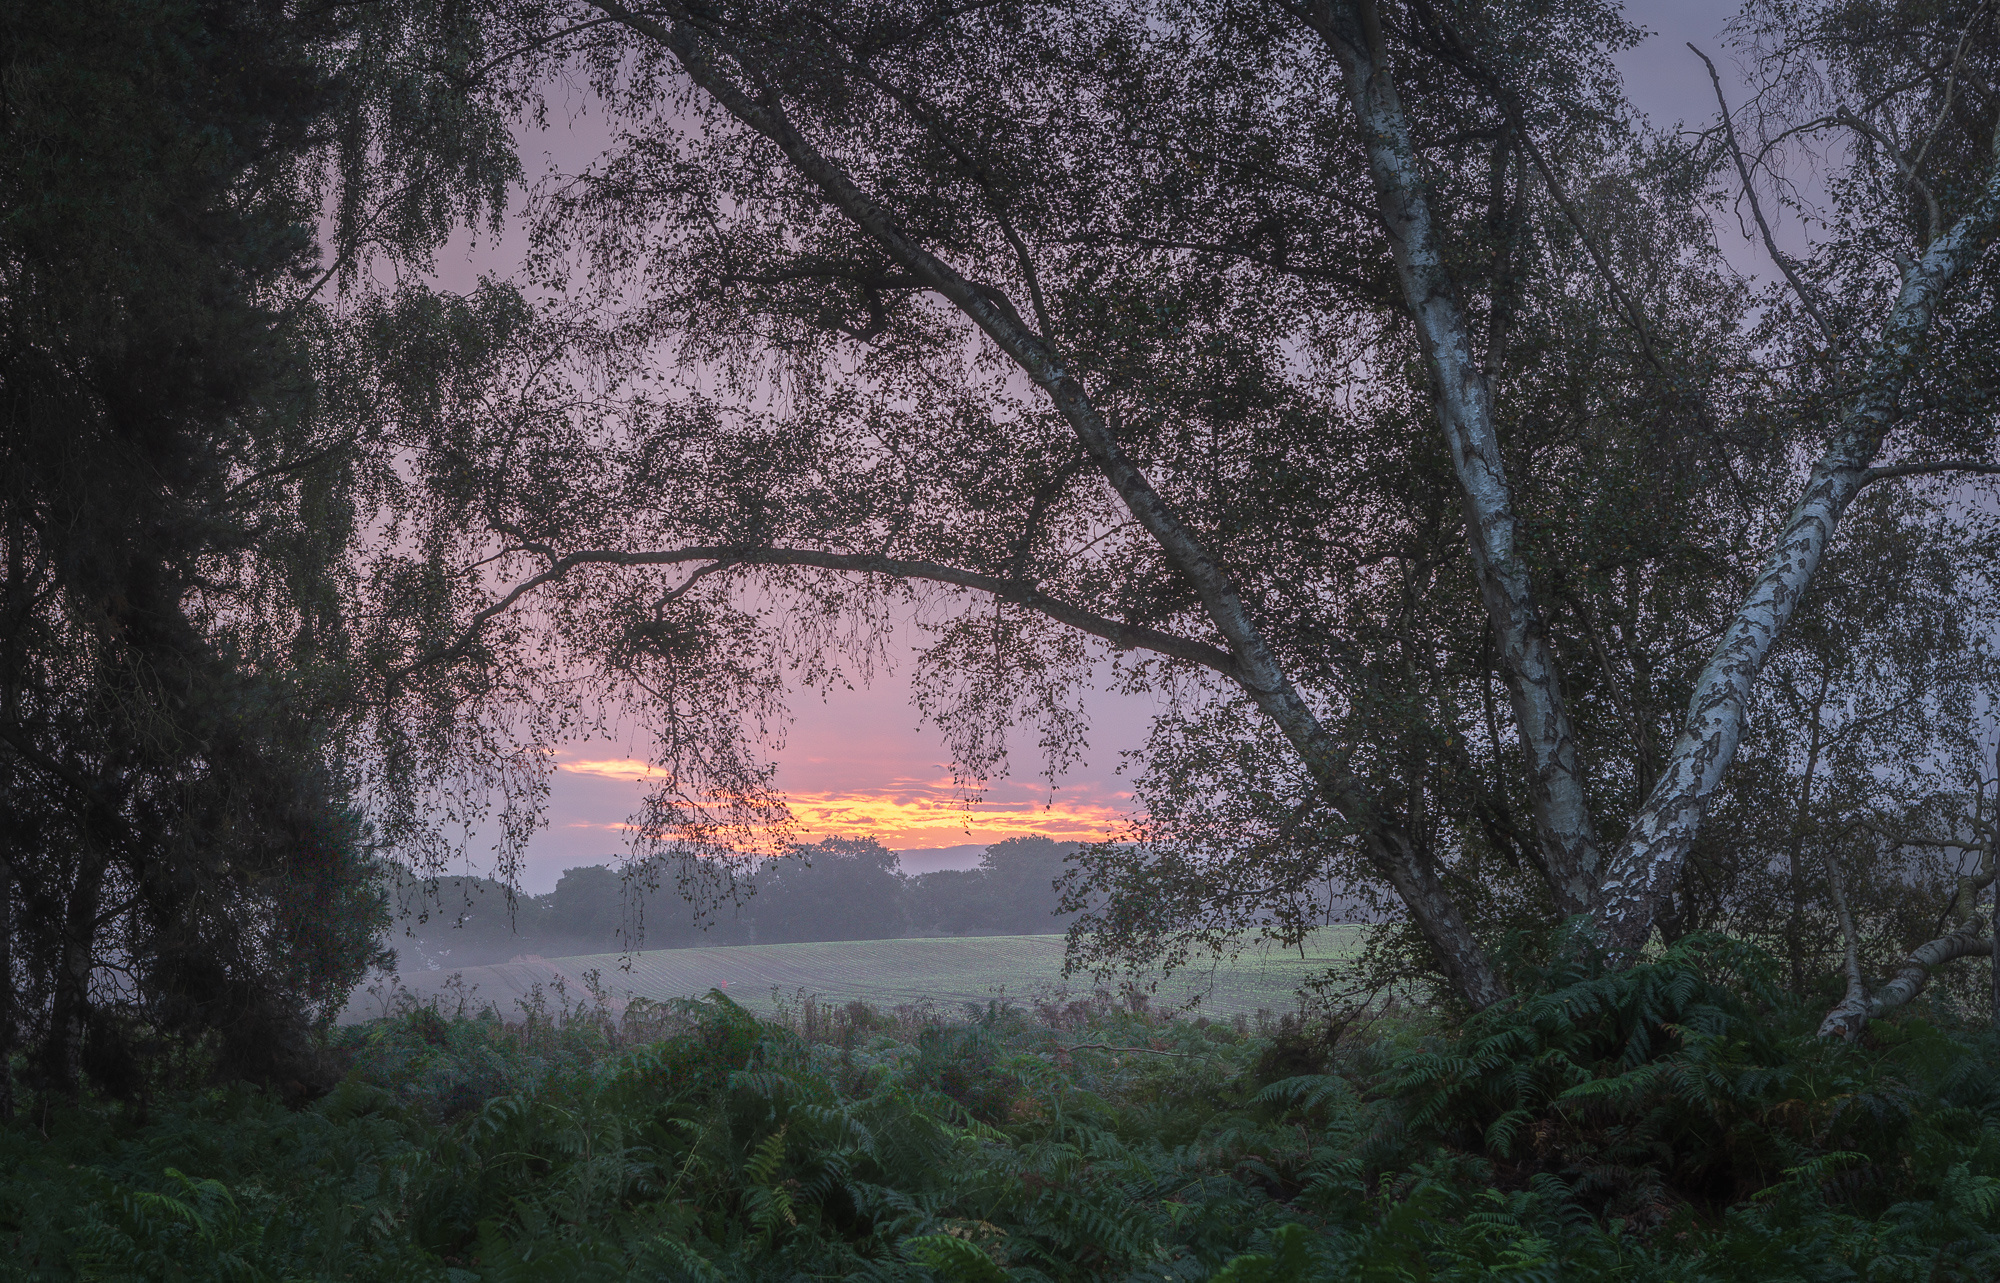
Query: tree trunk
[
  {"x": 1257, "y": 669},
  {"x": 1465, "y": 965},
  {"x": 1856, "y": 1010},
  {"x": 1853, "y": 1007},
  {"x": 69, "y": 1009},
  {"x": 8, "y": 1015},
  {"x": 1857, "y": 1007},
  {"x": 1649, "y": 862},
  {"x": 1563, "y": 827},
  {"x": 1795, "y": 927}
]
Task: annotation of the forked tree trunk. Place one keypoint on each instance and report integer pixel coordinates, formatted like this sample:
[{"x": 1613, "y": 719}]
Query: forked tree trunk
[{"x": 1649, "y": 862}]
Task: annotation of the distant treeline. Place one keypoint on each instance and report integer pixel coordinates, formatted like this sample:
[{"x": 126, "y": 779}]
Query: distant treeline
[{"x": 839, "y": 889}]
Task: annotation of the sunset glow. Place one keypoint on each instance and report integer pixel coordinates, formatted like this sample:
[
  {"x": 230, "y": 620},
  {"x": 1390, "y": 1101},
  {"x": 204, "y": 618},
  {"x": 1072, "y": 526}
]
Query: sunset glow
[
  {"x": 904, "y": 820},
  {"x": 616, "y": 768},
  {"x": 915, "y": 813}
]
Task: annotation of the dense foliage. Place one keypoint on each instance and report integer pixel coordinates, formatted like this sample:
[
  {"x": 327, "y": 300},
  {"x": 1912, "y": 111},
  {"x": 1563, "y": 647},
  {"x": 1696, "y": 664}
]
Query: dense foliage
[
  {"x": 191, "y": 450},
  {"x": 1673, "y": 1122},
  {"x": 179, "y": 853},
  {"x": 1068, "y": 339},
  {"x": 1078, "y": 338}
]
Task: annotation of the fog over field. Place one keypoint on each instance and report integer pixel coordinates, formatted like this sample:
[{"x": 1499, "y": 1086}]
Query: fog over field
[{"x": 945, "y": 976}]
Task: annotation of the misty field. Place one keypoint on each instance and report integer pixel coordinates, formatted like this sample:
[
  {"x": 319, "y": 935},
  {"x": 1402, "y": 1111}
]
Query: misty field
[{"x": 885, "y": 973}]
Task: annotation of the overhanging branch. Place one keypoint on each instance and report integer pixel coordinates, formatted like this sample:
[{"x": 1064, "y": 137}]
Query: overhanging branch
[{"x": 1018, "y": 592}]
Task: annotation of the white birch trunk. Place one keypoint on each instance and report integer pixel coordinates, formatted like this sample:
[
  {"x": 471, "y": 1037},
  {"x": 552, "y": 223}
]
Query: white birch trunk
[
  {"x": 1563, "y": 827},
  {"x": 1856, "y": 1010},
  {"x": 1649, "y": 862}
]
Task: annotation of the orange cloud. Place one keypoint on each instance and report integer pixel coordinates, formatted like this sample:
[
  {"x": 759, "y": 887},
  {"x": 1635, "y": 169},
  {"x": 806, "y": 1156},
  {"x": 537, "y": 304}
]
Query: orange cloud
[
  {"x": 616, "y": 768},
  {"x": 906, "y": 819},
  {"x": 909, "y": 813}
]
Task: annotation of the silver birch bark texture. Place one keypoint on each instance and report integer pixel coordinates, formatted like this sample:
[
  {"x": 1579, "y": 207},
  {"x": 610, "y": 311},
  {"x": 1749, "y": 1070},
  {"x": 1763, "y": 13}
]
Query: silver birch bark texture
[
  {"x": 1563, "y": 826},
  {"x": 1646, "y": 866},
  {"x": 1847, "y": 1020},
  {"x": 1851, "y": 1011},
  {"x": 1256, "y": 668},
  {"x": 1857, "y": 1008}
]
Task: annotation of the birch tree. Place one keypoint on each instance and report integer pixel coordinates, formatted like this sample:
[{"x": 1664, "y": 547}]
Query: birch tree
[{"x": 1331, "y": 367}]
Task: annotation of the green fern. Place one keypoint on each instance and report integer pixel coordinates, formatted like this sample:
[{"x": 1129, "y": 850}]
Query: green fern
[{"x": 954, "y": 1260}]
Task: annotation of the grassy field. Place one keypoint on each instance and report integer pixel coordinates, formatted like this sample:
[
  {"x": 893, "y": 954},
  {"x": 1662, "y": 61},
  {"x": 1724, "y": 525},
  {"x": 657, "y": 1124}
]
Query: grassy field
[{"x": 886, "y": 973}]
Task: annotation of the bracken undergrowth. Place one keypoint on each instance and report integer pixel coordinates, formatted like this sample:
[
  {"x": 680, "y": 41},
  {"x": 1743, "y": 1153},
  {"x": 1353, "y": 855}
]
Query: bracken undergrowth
[{"x": 1675, "y": 1122}]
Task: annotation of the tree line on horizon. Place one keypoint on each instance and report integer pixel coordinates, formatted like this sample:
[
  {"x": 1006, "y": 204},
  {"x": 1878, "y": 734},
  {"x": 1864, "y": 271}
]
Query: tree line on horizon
[{"x": 835, "y": 889}]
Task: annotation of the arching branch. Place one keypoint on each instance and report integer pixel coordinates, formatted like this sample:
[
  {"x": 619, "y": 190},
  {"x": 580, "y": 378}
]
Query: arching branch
[{"x": 1017, "y": 592}]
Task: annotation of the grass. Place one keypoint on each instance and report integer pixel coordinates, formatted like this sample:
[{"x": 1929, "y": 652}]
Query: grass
[{"x": 945, "y": 972}]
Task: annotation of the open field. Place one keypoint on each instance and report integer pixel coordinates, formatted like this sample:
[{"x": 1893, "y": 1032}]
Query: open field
[{"x": 887, "y": 973}]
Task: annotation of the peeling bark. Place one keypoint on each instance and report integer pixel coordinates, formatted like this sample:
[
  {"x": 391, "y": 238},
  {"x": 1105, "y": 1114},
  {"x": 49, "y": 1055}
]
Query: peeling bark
[
  {"x": 1647, "y": 864},
  {"x": 1563, "y": 826},
  {"x": 1254, "y": 666}
]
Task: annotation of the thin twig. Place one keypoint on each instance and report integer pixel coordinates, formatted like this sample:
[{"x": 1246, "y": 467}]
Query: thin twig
[
  {"x": 1977, "y": 467},
  {"x": 1784, "y": 262},
  {"x": 1910, "y": 178},
  {"x": 1950, "y": 85}
]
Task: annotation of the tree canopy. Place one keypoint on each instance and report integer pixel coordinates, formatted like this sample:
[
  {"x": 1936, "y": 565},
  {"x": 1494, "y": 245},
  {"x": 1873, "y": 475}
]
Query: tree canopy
[
  {"x": 1366, "y": 381},
  {"x": 186, "y": 472}
]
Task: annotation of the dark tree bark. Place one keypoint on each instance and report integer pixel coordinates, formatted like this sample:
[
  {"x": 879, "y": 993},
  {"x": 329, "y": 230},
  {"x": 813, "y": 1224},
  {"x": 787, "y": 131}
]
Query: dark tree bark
[
  {"x": 69, "y": 1011},
  {"x": 8, "y": 1015}
]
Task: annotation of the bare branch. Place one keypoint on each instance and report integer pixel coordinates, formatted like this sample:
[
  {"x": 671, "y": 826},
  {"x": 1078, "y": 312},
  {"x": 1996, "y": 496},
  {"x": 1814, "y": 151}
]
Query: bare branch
[
  {"x": 1916, "y": 184},
  {"x": 1950, "y": 85},
  {"x": 1805, "y": 295},
  {"x": 473, "y": 77},
  {"x": 1975, "y": 467},
  {"x": 1920, "y": 839}
]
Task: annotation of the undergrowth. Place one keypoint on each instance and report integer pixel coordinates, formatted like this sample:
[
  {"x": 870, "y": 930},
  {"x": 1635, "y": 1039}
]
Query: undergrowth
[{"x": 1677, "y": 1122}]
